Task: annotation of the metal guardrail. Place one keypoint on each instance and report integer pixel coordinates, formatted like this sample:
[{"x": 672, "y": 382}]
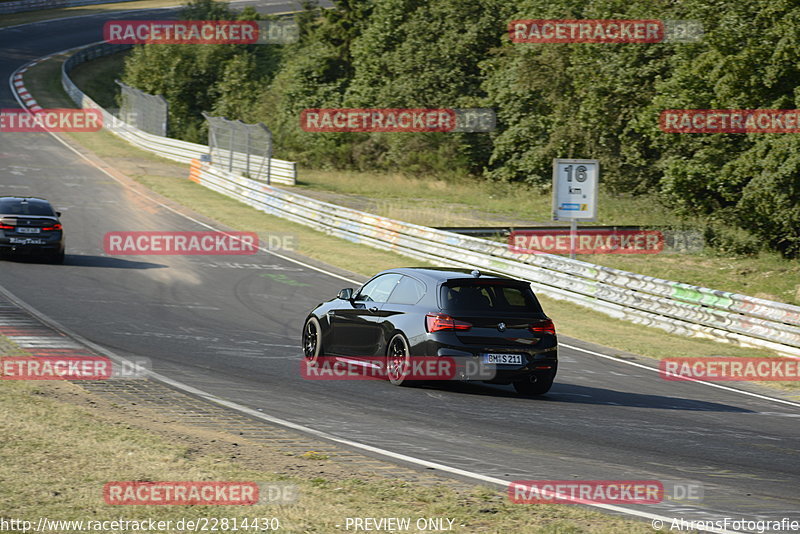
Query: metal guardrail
[
  {"x": 678, "y": 308},
  {"x": 485, "y": 231},
  {"x": 673, "y": 240},
  {"x": 282, "y": 172},
  {"x": 672, "y": 306}
]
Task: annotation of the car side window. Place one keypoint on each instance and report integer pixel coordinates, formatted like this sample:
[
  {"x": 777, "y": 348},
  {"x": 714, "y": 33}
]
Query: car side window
[
  {"x": 408, "y": 291},
  {"x": 378, "y": 289}
]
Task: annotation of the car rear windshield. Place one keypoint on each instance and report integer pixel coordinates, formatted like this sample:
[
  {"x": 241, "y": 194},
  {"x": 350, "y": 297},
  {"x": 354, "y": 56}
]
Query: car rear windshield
[
  {"x": 489, "y": 296},
  {"x": 19, "y": 207}
]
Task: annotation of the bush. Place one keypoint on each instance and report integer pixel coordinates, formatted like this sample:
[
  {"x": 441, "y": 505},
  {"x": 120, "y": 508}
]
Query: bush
[
  {"x": 599, "y": 101},
  {"x": 730, "y": 240}
]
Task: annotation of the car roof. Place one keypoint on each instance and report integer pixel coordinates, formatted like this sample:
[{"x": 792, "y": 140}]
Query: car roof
[{"x": 440, "y": 274}]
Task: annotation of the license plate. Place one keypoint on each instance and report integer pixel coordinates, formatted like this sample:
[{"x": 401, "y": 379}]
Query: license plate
[
  {"x": 26, "y": 241},
  {"x": 29, "y": 230},
  {"x": 503, "y": 359}
]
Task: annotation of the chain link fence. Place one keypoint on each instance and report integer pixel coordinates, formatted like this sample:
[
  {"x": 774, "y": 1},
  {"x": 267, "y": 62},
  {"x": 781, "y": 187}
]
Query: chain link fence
[
  {"x": 147, "y": 112},
  {"x": 250, "y": 161},
  {"x": 240, "y": 146}
]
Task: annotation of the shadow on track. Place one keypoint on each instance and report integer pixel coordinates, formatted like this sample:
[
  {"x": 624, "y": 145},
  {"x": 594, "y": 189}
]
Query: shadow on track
[
  {"x": 572, "y": 394},
  {"x": 81, "y": 260},
  {"x": 76, "y": 260}
]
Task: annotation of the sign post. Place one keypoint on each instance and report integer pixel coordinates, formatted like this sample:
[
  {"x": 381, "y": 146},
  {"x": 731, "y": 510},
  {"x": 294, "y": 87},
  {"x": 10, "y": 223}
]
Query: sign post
[{"x": 575, "y": 193}]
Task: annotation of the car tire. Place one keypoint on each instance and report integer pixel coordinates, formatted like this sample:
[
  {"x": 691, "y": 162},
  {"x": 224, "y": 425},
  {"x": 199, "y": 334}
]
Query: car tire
[
  {"x": 397, "y": 355},
  {"x": 312, "y": 340},
  {"x": 540, "y": 387}
]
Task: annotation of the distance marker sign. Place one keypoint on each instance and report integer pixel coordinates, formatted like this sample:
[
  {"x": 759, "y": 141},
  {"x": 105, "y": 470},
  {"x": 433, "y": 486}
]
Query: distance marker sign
[{"x": 575, "y": 189}]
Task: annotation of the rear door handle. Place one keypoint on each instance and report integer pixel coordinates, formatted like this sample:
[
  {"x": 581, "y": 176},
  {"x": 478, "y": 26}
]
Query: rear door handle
[{"x": 373, "y": 309}]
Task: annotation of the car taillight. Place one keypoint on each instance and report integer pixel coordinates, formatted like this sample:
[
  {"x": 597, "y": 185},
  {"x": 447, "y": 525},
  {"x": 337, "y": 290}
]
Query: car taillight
[
  {"x": 56, "y": 226},
  {"x": 6, "y": 226},
  {"x": 543, "y": 327},
  {"x": 435, "y": 322}
]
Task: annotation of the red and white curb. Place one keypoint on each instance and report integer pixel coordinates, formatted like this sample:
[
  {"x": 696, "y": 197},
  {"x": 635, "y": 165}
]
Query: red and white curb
[
  {"x": 34, "y": 337},
  {"x": 18, "y": 85},
  {"x": 22, "y": 92}
]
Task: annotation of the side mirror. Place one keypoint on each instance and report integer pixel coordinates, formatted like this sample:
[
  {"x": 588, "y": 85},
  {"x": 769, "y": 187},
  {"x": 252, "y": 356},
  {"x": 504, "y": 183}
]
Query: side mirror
[
  {"x": 345, "y": 294},
  {"x": 58, "y": 214}
]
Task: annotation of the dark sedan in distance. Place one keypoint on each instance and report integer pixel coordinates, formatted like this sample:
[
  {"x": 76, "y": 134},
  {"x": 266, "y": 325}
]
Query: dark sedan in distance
[
  {"x": 30, "y": 226},
  {"x": 473, "y": 317}
]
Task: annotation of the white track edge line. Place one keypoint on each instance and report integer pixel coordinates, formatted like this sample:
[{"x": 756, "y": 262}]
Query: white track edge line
[
  {"x": 311, "y": 431},
  {"x": 329, "y": 273},
  {"x": 687, "y": 379},
  {"x": 159, "y": 203},
  {"x": 289, "y": 424}
]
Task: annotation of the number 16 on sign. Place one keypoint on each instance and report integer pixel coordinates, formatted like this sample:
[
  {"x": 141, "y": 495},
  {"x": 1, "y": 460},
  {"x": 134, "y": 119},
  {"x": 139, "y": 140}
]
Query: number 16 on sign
[{"x": 575, "y": 192}]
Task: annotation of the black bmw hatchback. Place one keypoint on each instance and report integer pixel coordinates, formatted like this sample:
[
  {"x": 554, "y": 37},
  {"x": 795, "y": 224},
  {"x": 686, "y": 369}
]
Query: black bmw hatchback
[
  {"x": 29, "y": 226},
  {"x": 492, "y": 325}
]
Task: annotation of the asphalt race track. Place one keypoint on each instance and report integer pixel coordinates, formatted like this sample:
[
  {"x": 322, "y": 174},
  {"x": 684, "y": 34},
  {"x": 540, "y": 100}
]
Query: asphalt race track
[{"x": 229, "y": 326}]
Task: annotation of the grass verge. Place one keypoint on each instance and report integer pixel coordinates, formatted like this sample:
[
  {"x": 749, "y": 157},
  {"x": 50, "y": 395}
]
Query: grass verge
[
  {"x": 434, "y": 202},
  {"x": 97, "y": 78},
  {"x": 62, "y": 444},
  {"x": 170, "y": 180}
]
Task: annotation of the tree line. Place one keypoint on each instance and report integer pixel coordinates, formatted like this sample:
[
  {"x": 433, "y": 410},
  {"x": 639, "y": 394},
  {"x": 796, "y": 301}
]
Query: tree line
[{"x": 600, "y": 101}]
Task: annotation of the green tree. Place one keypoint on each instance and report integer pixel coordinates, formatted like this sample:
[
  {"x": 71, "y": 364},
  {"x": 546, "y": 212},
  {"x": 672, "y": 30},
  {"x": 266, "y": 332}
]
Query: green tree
[{"x": 749, "y": 58}]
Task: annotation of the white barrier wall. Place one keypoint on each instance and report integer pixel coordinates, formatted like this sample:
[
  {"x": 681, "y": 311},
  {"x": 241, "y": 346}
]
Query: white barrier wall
[
  {"x": 282, "y": 172},
  {"x": 678, "y": 308},
  {"x": 672, "y": 306}
]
